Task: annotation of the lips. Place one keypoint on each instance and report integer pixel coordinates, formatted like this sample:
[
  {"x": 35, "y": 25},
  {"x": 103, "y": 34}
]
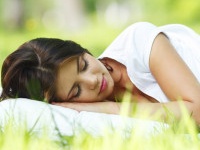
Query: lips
[{"x": 103, "y": 85}]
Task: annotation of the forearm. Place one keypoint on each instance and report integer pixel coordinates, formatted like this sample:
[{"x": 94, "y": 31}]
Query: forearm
[
  {"x": 154, "y": 111},
  {"x": 108, "y": 107},
  {"x": 159, "y": 111}
]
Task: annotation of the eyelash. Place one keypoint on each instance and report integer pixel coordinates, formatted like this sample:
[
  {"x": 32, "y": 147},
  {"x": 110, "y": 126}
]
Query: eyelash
[
  {"x": 86, "y": 65},
  {"x": 79, "y": 91},
  {"x": 78, "y": 86}
]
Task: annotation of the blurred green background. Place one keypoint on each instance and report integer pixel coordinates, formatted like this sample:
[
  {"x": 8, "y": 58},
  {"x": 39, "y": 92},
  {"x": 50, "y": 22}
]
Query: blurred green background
[{"x": 92, "y": 23}]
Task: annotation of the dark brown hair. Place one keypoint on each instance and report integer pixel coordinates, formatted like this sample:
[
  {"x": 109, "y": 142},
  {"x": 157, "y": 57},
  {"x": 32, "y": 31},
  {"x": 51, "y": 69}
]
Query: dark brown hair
[{"x": 30, "y": 71}]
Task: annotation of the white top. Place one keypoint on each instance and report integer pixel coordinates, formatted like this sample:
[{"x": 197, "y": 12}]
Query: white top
[{"x": 133, "y": 46}]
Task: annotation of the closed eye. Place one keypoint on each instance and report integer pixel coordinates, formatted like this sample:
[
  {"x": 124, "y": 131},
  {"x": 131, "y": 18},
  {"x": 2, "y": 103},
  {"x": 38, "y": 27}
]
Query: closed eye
[
  {"x": 77, "y": 91},
  {"x": 84, "y": 64}
]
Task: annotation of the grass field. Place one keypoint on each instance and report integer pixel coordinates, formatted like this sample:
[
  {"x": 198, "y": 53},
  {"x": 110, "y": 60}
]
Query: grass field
[{"x": 181, "y": 135}]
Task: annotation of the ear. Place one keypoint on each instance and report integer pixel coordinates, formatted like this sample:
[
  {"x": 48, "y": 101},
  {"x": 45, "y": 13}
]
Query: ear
[{"x": 106, "y": 64}]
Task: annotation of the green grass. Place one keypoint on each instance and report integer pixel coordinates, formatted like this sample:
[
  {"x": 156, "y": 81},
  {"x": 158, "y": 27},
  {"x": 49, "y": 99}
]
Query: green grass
[
  {"x": 95, "y": 37},
  {"x": 181, "y": 135}
]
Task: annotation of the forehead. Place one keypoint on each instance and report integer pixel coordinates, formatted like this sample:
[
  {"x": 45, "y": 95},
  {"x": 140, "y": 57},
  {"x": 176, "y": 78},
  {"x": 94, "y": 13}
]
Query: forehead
[{"x": 66, "y": 76}]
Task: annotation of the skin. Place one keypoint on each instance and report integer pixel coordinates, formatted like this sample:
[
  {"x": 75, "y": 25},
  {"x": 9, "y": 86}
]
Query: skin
[
  {"x": 183, "y": 85},
  {"x": 85, "y": 74}
]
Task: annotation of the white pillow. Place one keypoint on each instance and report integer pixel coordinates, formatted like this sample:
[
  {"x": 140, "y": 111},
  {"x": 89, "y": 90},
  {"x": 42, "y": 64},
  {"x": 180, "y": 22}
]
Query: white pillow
[{"x": 39, "y": 115}]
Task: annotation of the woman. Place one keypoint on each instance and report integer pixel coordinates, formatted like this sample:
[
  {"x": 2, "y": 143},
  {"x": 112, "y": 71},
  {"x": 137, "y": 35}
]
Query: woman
[{"x": 157, "y": 66}]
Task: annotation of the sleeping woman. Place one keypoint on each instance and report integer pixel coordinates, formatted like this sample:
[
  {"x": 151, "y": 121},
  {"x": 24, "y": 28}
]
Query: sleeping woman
[{"x": 157, "y": 66}]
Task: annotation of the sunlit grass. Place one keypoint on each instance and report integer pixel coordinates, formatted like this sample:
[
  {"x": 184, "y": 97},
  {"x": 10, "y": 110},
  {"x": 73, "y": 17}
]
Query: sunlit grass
[
  {"x": 176, "y": 134},
  {"x": 182, "y": 135},
  {"x": 18, "y": 138}
]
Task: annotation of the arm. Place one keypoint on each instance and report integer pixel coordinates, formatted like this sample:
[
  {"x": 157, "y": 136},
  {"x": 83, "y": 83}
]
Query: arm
[
  {"x": 175, "y": 79},
  {"x": 173, "y": 76}
]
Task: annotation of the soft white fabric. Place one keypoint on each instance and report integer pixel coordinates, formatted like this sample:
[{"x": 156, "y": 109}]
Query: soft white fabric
[
  {"x": 133, "y": 47},
  {"x": 38, "y": 116}
]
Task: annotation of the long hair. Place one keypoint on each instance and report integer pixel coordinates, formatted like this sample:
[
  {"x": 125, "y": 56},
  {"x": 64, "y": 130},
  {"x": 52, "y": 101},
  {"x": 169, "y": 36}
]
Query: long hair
[{"x": 30, "y": 71}]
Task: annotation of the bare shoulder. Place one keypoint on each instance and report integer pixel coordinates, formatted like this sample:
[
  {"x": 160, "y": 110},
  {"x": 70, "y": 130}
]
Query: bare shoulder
[{"x": 172, "y": 74}]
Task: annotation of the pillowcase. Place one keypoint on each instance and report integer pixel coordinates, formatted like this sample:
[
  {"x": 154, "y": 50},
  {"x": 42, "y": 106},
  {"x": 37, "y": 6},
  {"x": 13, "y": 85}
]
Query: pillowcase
[{"x": 37, "y": 116}]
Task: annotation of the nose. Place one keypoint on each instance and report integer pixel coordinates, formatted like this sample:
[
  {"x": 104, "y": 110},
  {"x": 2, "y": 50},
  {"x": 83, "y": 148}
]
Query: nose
[{"x": 90, "y": 82}]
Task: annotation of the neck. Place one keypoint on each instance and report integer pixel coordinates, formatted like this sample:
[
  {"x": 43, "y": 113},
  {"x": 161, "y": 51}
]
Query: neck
[
  {"x": 121, "y": 80},
  {"x": 122, "y": 83}
]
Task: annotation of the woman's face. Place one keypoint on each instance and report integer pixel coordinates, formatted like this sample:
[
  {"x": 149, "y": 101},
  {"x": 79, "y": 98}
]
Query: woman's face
[{"x": 83, "y": 79}]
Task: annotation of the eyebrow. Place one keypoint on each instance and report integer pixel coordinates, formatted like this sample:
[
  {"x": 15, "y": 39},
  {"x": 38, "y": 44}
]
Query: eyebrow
[{"x": 77, "y": 64}]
